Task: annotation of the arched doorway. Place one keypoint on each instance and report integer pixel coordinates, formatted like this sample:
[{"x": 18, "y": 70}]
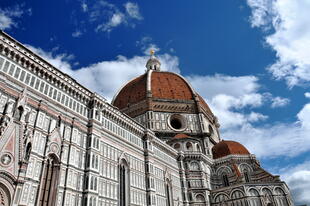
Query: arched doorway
[
  {"x": 50, "y": 176},
  {"x": 5, "y": 197}
]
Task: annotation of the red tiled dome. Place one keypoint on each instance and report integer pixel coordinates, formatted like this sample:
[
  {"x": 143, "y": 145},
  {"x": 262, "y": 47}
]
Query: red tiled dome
[
  {"x": 163, "y": 85},
  {"x": 225, "y": 148},
  {"x": 159, "y": 85},
  {"x": 167, "y": 85},
  {"x": 133, "y": 92}
]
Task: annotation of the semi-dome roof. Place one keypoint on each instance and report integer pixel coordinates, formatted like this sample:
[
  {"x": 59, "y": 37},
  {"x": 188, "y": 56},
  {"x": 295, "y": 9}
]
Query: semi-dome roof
[{"x": 225, "y": 148}]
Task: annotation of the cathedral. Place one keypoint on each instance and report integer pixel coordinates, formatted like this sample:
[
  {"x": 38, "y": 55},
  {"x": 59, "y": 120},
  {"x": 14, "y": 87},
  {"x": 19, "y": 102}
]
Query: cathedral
[{"x": 156, "y": 144}]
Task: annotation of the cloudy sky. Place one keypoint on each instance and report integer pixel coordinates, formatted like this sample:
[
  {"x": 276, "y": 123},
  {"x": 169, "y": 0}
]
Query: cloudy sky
[{"x": 250, "y": 60}]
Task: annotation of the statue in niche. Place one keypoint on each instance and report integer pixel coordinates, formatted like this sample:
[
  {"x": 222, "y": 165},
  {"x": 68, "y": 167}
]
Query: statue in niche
[
  {"x": 6, "y": 117},
  {"x": 267, "y": 199},
  {"x": 27, "y": 137},
  {"x": 19, "y": 113}
]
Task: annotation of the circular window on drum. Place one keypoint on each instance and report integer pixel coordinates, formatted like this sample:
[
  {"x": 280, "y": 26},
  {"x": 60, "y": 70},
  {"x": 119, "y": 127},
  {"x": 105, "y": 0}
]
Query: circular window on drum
[{"x": 177, "y": 122}]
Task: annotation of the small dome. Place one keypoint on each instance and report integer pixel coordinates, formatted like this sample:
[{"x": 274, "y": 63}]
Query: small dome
[
  {"x": 225, "y": 148},
  {"x": 181, "y": 136}
]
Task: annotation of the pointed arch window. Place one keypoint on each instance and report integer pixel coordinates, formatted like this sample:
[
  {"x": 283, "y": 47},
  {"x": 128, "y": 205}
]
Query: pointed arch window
[
  {"x": 168, "y": 191},
  {"x": 49, "y": 182},
  {"x": 19, "y": 113},
  {"x": 246, "y": 176},
  {"x": 124, "y": 183},
  {"x": 254, "y": 199},
  {"x": 280, "y": 197},
  {"x": 28, "y": 151},
  {"x": 225, "y": 180}
]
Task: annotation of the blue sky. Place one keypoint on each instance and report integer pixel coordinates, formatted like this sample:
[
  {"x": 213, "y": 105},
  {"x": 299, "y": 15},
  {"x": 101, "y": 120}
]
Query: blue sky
[{"x": 249, "y": 59}]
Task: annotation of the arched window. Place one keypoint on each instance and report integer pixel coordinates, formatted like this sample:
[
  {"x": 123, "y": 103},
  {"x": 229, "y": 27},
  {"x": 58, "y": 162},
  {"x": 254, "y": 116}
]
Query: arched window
[
  {"x": 198, "y": 148},
  {"x": 169, "y": 197},
  {"x": 225, "y": 180},
  {"x": 221, "y": 198},
  {"x": 280, "y": 197},
  {"x": 189, "y": 146},
  {"x": 177, "y": 146},
  {"x": 211, "y": 131},
  {"x": 27, "y": 152},
  {"x": 194, "y": 166},
  {"x": 19, "y": 113},
  {"x": 94, "y": 201},
  {"x": 91, "y": 182},
  {"x": 95, "y": 184},
  {"x": 96, "y": 165},
  {"x": 59, "y": 121},
  {"x": 254, "y": 199},
  {"x": 200, "y": 198},
  {"x": 49, "y": 181},
  {"x": 124, "y": 183},
  {"x": 91, "y": 201},
  {"x": 238, "y": 198},
  {"x": 246, "y": 176}
]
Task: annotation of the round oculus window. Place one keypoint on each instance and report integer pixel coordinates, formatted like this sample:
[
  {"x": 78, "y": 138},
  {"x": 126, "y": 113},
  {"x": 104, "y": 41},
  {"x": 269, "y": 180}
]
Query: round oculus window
[{"x": 177, "y": 122}]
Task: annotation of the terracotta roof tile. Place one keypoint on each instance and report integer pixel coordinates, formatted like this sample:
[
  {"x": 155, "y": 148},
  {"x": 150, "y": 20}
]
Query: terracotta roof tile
[
  {"x": 133, "y": 92},
  {"x": 225, "y": 148},
  {"x": 181, "y": 136},
  {"x": 166, "y": 85}
]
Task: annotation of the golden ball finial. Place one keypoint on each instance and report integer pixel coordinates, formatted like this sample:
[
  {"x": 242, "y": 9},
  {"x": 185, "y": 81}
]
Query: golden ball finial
[{"x": 152, "y": 52}]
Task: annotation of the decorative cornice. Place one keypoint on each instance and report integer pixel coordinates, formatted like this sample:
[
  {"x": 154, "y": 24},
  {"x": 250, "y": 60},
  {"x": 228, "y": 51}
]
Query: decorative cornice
[{"x": 17, "y": 53}]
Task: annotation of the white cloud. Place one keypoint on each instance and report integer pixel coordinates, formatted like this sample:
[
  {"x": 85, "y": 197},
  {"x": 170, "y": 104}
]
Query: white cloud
[
  {"x": 288, "y": 36},
  {"x": 106, "y": 77},
  {"x": 223, "y": 84},
  {"x": 228, "y": 95},
  {"x": 234, "y": 100},
  {"x": 133, "y": 10},
  {"x": 298, "y": 179},
  {"x": 60, "y": 61},
  {"x": 107, "y": 16},
  {"x": 77, "y": 33},
  {"x": 115, "y": 20},
  {"x": 9, "y": 16},
  {"x": 279, "y": 102},
  {"x": 277, "y": 139},
  {"x": 261, "y": 12},
  {"x": 84, "y": 7},
  {"x": 307, "y": 94},
  {"x": 146, "y": 44}
]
